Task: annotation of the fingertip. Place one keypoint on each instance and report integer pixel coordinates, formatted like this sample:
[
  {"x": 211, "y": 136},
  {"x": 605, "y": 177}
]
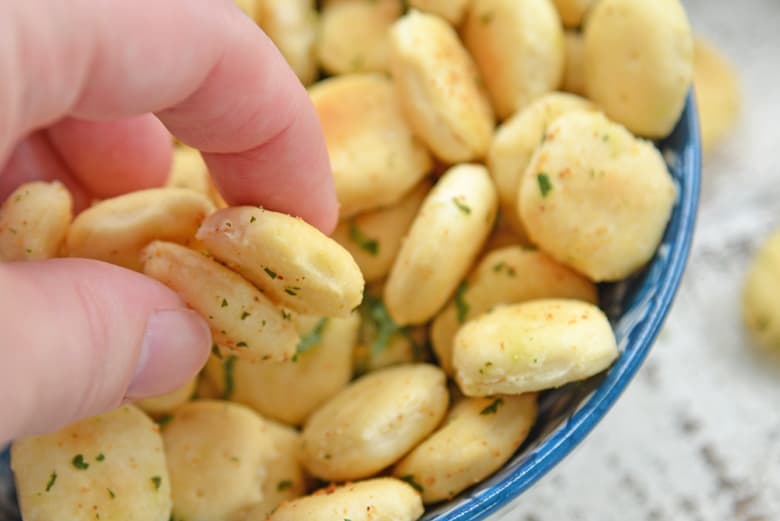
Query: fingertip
[
  {"x": 329, "y": 221},
  {"x": 110, "y": 158},
  {"x": 288, "y": 173},
  {"x": 95, "y": 333},
  {"x": 326, "y": 217},
  {"x": 35, "y": 159},
  {"x": 300, "y": 192},
  {"x": 175, "y": 346}
]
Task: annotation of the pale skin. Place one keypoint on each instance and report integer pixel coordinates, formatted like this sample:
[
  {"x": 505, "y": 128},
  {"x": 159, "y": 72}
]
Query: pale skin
[{"x": 91, "y": 91}]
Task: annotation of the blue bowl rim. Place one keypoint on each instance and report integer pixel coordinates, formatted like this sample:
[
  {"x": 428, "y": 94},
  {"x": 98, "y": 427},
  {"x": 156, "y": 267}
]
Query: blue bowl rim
[{"x": 562, "y": 441}]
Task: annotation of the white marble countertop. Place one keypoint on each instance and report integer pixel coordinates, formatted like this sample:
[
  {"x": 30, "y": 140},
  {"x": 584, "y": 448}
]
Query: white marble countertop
[{"x": 696, "y": 436}]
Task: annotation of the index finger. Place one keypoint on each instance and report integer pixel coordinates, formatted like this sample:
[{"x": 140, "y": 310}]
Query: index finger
[{"x": 212, "y": 77}]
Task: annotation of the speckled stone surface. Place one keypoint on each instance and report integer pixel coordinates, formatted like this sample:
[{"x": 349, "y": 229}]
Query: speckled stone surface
[{"x": 696, "y": 436}]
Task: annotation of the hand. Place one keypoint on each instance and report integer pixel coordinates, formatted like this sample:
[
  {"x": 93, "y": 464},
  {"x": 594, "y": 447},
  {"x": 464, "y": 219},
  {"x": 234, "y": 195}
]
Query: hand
[{"x": 88, "y": 91}]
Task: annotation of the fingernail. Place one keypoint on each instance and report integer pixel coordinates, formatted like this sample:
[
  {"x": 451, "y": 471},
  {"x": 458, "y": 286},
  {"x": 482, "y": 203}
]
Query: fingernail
[{"x": 175, "y": 347}]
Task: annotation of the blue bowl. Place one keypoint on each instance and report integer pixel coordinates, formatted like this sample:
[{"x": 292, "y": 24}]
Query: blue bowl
[{"x": 637, "y": 308}]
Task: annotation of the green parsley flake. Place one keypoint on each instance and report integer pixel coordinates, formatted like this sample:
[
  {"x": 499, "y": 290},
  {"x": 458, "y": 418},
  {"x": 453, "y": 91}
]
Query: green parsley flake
[
  {"x": 252, "y": 219},
  {"x": 224, "y": 303},
  {"x": 375, "y": 313},
  {"x": 165, "y": 420},
  {"x": 52, "y": 481},
  {"x": 215, "y": 351},
  {"x": 504, "y": 267},
  {"x": 463, "y": 207},
  {"x": 410, "y": 480},
  {"x": 312, "y": 338},
  {"x": 271, "y": 273},
  {"x": 487, "y": 366},
  {"x": 244, "y": 315},
  {"x": 111, "y": 493},
  {"x": 286, "y": 315},
  {"x": 293, "y": 291},
  {"x": 100, "y": 457},
  {"x": 227, "y": 376},
  {"x": 79, "y": 463},
  {"x": 762, "y": 324},
  {"x": 461, "y": 305},
  {"x": 366, "y": 243},
  {"x": 156, "y": 481},
  {"x": 284, "y": 485},
  {"x": 242, "y": 344},
  {"x": 493, "y": 407},
  {"x": 544, "y": 183}
]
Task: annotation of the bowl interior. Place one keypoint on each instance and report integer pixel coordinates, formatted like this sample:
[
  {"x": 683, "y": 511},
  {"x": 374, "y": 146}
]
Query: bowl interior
[{"x": 637, "y": 308}]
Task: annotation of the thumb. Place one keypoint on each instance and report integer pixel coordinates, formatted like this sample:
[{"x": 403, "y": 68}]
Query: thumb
[{"x": 78, "y": 337}]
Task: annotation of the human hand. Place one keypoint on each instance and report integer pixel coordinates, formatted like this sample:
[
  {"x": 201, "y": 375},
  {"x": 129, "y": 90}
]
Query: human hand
[{"x": 88, "y": 91}]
